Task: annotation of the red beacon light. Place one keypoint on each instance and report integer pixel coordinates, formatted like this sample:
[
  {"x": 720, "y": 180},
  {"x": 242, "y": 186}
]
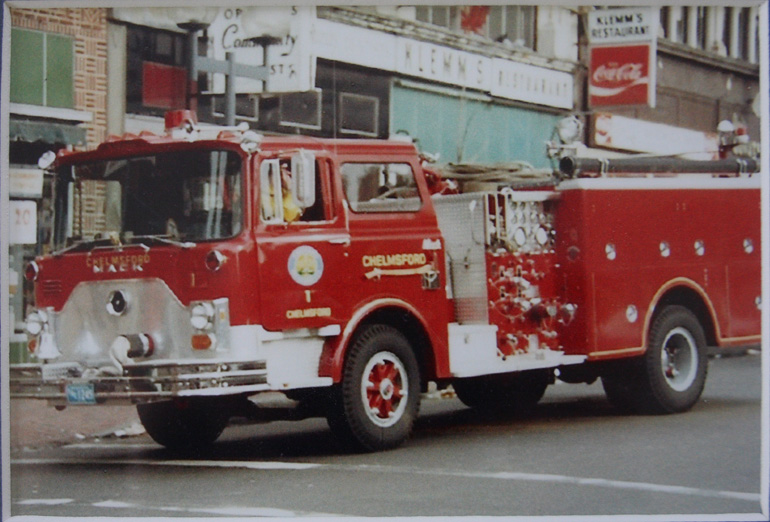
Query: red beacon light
[{"x": 181, "y": 119}]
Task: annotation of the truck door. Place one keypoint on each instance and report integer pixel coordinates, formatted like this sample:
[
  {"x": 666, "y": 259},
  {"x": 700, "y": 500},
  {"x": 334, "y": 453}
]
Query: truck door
[
  {"x": 302, "y": 251},
  {"x": 397, "y": 252}
]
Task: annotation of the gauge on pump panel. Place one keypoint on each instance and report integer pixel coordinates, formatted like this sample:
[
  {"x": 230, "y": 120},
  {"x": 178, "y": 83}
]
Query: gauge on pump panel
[{"x": 519, "y": 237}]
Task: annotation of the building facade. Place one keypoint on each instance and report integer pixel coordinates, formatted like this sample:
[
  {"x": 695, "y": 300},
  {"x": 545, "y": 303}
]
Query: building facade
[
  {"x": 489, "y": 92},
  {"x": 707, "y": 71},
  {"x": 58, "y": 70}
]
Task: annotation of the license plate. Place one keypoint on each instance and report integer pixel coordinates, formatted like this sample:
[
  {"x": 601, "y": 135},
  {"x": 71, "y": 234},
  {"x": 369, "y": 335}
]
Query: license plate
[{"x": 82, "y": 393}]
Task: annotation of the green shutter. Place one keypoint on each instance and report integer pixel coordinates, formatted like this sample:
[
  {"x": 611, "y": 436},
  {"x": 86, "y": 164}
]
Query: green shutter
[
  {"x": 27, "y": 66},
  {"x": 59, "y": 68}
]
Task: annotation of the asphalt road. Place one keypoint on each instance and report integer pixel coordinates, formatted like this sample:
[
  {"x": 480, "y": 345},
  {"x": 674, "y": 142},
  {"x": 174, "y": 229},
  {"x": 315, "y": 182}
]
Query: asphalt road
[{"x": 573, "y": 456}]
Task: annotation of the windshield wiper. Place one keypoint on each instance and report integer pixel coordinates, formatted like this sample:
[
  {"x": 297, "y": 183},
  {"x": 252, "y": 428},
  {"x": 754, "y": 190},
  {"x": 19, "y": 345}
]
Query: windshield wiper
[
  {"x": 88, "y": 243},
  {"x": 92, "y": 244},
  {"x": 162, "y": 239}
]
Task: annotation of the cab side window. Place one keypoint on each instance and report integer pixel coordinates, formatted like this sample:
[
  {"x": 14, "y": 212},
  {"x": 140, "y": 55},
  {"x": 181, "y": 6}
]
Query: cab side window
[
  {"x": 276, "y": 178},
  {"x": 380, "y": 187}
]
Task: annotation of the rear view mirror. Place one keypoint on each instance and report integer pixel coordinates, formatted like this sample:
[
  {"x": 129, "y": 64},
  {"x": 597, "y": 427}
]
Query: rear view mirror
[
  {"x": 303, "y": 178},
  {"x": 46, "y": 160}
]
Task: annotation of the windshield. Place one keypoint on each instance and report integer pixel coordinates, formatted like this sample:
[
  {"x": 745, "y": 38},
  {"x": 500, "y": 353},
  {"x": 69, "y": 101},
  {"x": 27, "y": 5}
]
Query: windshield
[{"x": 192, "y": 195}]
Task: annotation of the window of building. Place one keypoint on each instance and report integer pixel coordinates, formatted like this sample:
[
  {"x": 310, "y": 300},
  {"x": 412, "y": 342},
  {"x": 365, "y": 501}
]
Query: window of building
[
  {"x": 359, "y": 114},
  {"x": 727, "y": 28},
  {"x": 680, "y": 35},
  {"x": 701, "y": 16},
  {"x": 445, "y": 16},
  {"x": 728, "y": 31},
  {"x": 156, "y": 72},
  {"x": 42, "y": 69},
  {"x": 665, "y": 13},
  {"x": 743, "y": 28},
  {"x": 512, "y": 23},
  {"x": 504, "y": 23},
  {"x": 301, "y": 109},
  {"x": 380, "y": 187}
]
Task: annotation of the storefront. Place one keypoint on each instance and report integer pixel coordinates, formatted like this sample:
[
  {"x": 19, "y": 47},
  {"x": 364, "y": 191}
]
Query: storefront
[
  {"x": 348, "y": 74},
  {"x": 57, "y": 71},
  {"x": 29, "y": 205},
  {"x": 460, "y": 103}
]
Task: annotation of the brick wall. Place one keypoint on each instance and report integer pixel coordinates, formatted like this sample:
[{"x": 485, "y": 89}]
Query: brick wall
[{"x": 88, "y": 28}]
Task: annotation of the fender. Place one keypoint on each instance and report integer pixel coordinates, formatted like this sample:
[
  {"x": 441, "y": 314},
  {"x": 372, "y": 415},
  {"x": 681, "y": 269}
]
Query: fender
[
  {"x": 333, "y": 354},
  {"x": 669, "y": 285}
]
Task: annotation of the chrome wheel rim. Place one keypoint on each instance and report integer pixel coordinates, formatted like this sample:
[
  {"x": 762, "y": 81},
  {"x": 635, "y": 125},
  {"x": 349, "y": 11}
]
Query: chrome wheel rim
[{"x": 679, "y": 359}]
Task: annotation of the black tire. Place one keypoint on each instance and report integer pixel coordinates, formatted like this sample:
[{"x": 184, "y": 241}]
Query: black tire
[
  {"x": 620, "y": 391},
  {"x": 516, "y": 394},
  {"x": 675, "y": 364},
  {"x": 377, "y": 402},
  {"x": 184, "y": 424},
  {"x": 671, "y": 375}
]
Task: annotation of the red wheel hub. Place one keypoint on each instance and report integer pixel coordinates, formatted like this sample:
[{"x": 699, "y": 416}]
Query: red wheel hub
[{"x": 384, "y": 389}]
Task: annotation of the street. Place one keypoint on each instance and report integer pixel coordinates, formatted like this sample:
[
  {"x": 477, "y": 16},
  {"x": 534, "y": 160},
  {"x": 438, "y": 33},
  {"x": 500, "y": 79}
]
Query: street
[{"x": 573, "y": 456}]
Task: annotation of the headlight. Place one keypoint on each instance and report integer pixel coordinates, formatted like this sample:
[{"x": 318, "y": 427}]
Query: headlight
[
  {"x": 201, "y": 316},
  {"x": 36, "y": 322}
]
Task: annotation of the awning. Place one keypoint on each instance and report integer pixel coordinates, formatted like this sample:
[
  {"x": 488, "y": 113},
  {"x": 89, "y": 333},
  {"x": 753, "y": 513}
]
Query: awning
[{"x": 48, "y": 132}]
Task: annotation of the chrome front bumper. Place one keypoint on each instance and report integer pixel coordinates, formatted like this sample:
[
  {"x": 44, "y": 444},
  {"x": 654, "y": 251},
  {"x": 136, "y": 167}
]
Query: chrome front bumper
[{"x": 73, "y": 384}]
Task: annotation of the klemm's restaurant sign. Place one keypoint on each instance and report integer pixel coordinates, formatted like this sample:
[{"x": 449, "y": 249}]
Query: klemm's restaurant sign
[
  {"x": 623, "y": 52},
  {"x": 622, "y": 25},
  {"x": 440, "y": 63},
  {"x": 499, "y": 77}
]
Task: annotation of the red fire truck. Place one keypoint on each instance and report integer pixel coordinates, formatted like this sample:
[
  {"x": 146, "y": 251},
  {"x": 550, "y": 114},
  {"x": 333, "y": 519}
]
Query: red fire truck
[{"x": 212, "y": 273}]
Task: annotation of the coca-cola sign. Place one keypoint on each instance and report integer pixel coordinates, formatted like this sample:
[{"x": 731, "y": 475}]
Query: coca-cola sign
[{"x": 621, "y": 75}]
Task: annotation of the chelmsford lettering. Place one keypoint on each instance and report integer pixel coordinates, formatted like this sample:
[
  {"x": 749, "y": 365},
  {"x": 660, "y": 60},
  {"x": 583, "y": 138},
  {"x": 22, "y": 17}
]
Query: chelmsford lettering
[
  {"x": 305, "y": 313},
  {"x": 118, "y": 263},
  {"x": 394, "y": 260}
]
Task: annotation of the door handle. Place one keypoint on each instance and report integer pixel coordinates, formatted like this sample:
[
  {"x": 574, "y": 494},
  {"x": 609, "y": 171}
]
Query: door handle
[{"x": 340, "y": 241}]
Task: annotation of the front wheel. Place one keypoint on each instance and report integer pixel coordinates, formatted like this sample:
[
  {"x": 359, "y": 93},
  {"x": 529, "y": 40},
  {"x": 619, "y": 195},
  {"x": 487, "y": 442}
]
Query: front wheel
[
  {"x": 184, "y": 424},
  {"x": 515, "y": 394},
  {"x": 377, "y": 402}
]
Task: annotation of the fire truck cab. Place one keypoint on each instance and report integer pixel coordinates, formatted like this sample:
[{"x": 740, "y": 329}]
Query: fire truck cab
[{"x": 196, "y": 273}]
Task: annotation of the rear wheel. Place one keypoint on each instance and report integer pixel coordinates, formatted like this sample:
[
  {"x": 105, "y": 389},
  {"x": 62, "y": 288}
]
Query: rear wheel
[
  {"x": 671, "y": 375},
  {"x": 377, "y": 402},
  {"x": 184, "y": 424},
  {"x": 676, "y": 362},
  {"x": 517, "y": 393}
]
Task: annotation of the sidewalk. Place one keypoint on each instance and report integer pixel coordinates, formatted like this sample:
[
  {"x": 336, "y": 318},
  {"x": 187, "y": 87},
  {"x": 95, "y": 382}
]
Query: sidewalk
[{"x": 34, "y": 424}]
